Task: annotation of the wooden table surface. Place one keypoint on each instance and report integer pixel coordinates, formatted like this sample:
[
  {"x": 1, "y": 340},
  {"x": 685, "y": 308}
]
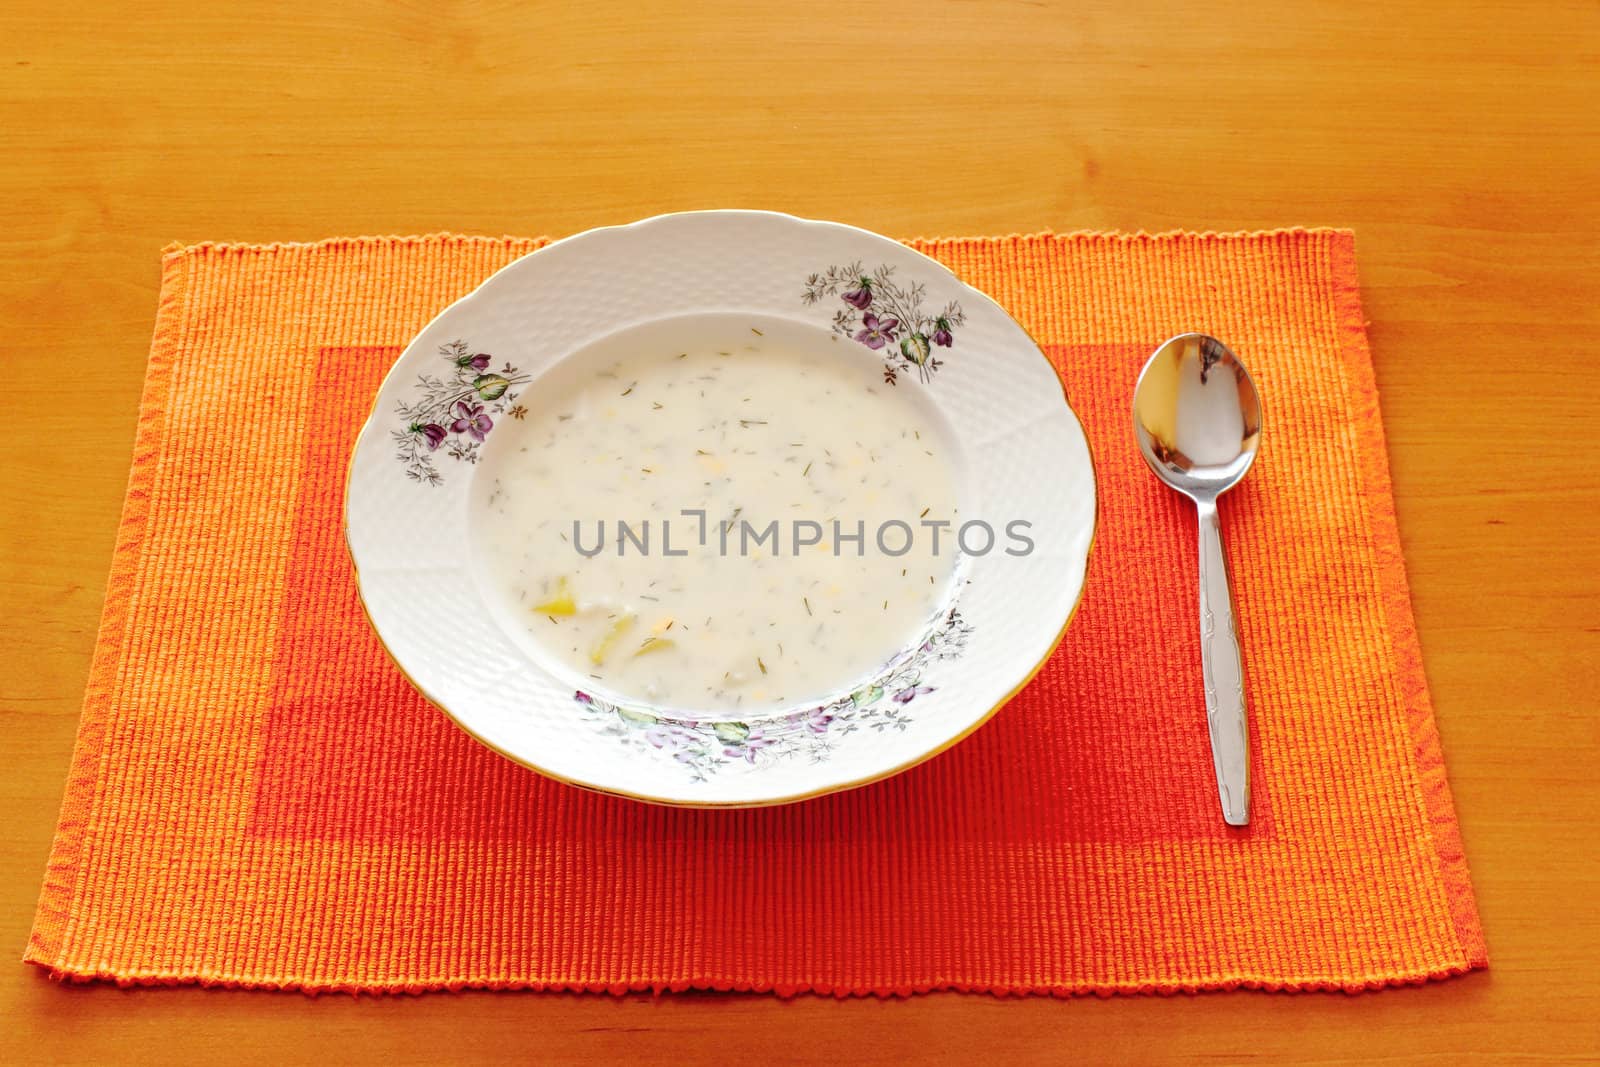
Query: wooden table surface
[{"x": 1460, "y": 140}]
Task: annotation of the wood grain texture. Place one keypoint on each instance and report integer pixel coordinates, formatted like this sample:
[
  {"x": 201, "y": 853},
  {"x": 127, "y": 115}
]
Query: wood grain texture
[{"x": 1461, "y": 141}]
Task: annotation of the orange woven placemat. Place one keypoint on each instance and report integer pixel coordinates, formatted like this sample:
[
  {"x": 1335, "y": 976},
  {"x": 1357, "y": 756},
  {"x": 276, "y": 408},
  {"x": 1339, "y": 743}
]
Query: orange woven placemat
[{"x": 258, "y": 798}]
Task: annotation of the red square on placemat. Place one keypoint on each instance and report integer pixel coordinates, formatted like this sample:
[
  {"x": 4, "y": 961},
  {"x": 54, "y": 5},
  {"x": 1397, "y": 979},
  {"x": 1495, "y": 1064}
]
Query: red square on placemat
[{"x": 1088, "y": 752}]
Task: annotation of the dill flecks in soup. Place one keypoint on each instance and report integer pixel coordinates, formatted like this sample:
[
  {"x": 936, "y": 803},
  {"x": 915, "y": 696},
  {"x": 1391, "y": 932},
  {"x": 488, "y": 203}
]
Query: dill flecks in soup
[{"x": 718, "y": 513}]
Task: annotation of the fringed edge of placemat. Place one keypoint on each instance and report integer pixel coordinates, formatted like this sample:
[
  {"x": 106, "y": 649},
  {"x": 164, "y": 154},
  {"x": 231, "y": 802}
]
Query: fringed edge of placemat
[
  {"x": 64, "y": 870},
  {"x": 1069, "y": 991},
  {"x": 1378, "y": 496},
  {"x": 181, "y": 248}
]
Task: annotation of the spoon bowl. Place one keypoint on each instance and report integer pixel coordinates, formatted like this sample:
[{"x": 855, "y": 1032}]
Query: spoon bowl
[
  {"x": 1197, "y": 419},
  {"x": 1197, "y": 415}
]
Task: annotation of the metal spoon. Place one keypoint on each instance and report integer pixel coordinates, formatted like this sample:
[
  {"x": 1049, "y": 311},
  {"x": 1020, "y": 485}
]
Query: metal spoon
[{"x": 1197, "y": 417}]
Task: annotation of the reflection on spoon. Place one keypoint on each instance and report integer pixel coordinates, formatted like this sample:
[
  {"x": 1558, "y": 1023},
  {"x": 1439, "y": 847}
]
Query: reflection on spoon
[{"x": 1197, "y": 418}]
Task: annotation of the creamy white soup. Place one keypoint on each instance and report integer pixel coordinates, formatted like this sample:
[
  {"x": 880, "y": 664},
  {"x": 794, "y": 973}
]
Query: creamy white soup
[{"x": 718, "y": 513}]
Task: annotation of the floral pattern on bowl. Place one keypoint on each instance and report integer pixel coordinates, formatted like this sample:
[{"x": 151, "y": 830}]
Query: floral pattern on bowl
[
  {"x": 887, "y": 317},
  {"x": 707, "y": 746},
  {"x": 454, "y": 411}
]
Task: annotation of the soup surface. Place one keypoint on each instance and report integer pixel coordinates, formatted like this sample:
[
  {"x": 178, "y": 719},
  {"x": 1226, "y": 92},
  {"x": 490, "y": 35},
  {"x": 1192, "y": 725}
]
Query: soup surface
[{"x": 719, "y": 513}]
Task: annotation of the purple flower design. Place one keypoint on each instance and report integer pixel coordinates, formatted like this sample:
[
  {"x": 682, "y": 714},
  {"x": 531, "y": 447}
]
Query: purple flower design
[
  {"x": 705, "y": 747},
  {"x": 667, "y": 737},
  {"x": 448, "y": 415},
  {"x": 875, "y": 332},
  {"x": 941, "y": 333},
  {"x": 471, "y": 420},
  {"x": 434, "y": 434},
  {"x": 860, "y": 297},
  {"x": 753, "y": 743},
  {"x": 817, "y": 720}
]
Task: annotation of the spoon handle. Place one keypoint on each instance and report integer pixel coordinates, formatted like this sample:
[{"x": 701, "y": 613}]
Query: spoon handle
[{"x": 1223, "y": 671}]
